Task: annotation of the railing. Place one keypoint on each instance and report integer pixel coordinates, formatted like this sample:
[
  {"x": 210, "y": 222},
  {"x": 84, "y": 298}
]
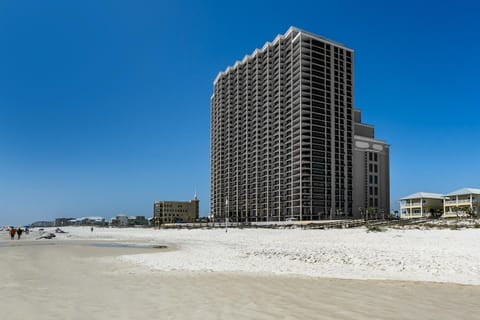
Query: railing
[
  {"x": 414, "y": 214},
  {"x": 460, "y": 201},
  {"x": 411, "y": 204},
  {"x": 317, "y": 224}
]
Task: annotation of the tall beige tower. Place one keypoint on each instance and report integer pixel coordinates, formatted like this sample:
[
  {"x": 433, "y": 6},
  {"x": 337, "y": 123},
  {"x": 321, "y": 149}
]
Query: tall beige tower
[{"x": 371, "y": 171}]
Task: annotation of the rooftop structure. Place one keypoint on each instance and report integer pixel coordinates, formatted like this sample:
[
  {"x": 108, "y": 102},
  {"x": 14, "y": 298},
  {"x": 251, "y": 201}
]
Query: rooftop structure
[{"x": 419, "y": 195}]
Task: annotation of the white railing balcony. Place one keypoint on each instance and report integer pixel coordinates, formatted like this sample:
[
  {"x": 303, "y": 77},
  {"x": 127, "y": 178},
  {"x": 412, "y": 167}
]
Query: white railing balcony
[
  {"x": 411, "y": 204},
  {"x": 460, "y": 201}
]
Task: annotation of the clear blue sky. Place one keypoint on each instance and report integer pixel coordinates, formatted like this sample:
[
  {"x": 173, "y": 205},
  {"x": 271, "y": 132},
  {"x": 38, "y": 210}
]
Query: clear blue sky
[{"x": 104, "y": 105}]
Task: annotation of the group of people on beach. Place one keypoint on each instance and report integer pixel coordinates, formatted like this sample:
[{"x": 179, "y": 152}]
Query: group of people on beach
[{"x": 18, "y": 231}]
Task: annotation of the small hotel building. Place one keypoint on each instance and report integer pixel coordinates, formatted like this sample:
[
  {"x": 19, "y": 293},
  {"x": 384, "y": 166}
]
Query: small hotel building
[
  {"x": 175, "y": 211},
  {"x": 420, "y": 205},
  {"x": 459, "y": 202}
]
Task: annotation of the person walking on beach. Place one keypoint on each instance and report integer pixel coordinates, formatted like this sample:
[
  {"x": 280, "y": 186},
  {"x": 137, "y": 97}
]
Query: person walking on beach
[
  {"x": 91, "y": 229},
  {"x": 19, "y": 233},
  {"x": 12, "y": 233}
]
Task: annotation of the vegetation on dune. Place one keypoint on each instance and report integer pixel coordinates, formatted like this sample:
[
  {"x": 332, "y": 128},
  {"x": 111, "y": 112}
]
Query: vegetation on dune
[{"x": 375, "y": 229}]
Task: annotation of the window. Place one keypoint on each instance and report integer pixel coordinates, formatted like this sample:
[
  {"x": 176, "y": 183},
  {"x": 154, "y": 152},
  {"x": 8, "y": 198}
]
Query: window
[{"x": 376, "y": 179}]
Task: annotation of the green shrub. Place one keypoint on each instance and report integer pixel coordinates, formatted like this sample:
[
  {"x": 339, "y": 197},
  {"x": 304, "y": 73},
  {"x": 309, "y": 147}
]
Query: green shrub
[{"x": 375, "y": 229}]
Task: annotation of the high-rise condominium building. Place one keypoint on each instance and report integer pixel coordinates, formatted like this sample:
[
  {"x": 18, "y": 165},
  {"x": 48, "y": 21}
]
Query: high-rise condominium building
[
  {"x": 282, "y": 132},
  {"x": 371, "y": 171}
]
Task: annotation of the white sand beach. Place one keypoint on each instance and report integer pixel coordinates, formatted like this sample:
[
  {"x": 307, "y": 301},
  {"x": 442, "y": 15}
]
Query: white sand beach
[
  {"x": 243, "y": 274},
  {"x": 398, "y": 254}
]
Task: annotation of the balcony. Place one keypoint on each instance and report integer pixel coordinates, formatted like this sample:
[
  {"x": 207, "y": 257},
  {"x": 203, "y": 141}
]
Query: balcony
[
  {"x": 411, "y": 204},
  {"x": 459, "y": 201}
]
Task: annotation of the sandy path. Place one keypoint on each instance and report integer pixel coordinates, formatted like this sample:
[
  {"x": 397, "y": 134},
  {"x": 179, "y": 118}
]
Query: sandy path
[{"x": 75, "y": 281}]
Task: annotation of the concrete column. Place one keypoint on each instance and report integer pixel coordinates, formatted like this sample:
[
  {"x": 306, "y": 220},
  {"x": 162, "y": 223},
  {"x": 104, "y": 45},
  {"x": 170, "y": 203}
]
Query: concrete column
[{"x": 421, "y": 206}]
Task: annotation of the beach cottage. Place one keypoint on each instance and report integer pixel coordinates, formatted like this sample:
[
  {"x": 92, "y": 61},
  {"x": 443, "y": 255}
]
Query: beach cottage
[
  {"x": 420, "y": 205},
  {"x": 461, "y": 202}
]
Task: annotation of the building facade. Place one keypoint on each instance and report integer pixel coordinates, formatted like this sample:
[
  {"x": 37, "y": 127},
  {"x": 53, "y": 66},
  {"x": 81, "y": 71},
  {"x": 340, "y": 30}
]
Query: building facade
[
  {"x": 61, "y": 222},
  {"x": 120, "y": 220},
  {"x": 421, "y": 205},
  {"x": 371, "y": 171},
  {"x": 460, "y": 202},
  {"x": 42, "y": 224},
  {"x": 282, "y": 132},
  {"x": 175, "y": 211}
]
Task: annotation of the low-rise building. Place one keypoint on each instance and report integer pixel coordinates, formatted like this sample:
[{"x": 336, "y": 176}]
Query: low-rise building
[
  {"x": 175, "y": 211},
  {"x": 42, "y": 224},
  {"x": 137, "y": 221},
  {"x": 62, "y": 222},
  {"x": 420, "y": 205},
  {"x": 120, "y": 220},
  {"x": 460, "y": 202},
  {"x": 89, "y": 221}
]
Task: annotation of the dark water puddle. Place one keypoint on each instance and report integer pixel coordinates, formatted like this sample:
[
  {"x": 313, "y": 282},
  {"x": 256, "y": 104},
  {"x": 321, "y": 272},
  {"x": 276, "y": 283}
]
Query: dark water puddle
[
  {"x": 21, "y": 243},
  {"x": 16, "y": 243},
  {"x": 127, "y": 245}
]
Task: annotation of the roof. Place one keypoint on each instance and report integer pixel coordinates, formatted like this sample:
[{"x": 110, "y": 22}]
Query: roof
[
  {"x": 89, "y": 218},
  {"x": 277, "y": 38},
  {"x": 427, "y": 195},
  {"x": 464, "y": 191}
]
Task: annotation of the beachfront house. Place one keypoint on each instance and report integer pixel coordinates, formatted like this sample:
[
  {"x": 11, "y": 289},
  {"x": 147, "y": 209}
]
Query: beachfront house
[
  {"x": 460, "y": 202},
  {"x": 137, "y": 221},
  {"x": 42, "y": 224},
  {"x": 120, "y": 220},
  {"x": 420, "y": 205}
]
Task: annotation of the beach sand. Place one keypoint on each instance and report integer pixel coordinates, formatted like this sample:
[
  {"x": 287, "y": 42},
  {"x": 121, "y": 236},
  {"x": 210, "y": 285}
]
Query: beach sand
[{"x": 48, "y": 279}]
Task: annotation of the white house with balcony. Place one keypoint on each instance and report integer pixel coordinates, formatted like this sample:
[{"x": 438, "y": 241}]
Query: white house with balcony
[
  {"x": 457, "y": 203},
  {"x": 420, "y": 205}
]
